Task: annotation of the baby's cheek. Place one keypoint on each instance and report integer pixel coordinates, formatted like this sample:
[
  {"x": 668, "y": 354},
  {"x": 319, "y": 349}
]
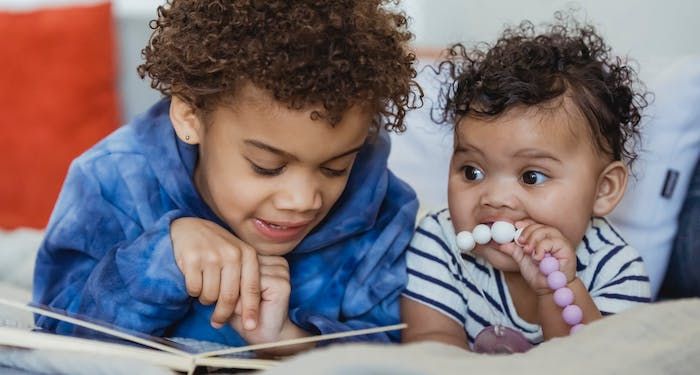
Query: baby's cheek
[{"x": 459, "y": 224}]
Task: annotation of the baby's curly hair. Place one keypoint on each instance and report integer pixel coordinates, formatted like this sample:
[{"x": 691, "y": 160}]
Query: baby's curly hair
[
  {"x": 330, "y": 54},
  {"x": 530, "y": 69}
]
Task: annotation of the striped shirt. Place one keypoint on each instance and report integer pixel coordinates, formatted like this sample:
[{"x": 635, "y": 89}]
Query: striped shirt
[{"x": 469, "y": 290}]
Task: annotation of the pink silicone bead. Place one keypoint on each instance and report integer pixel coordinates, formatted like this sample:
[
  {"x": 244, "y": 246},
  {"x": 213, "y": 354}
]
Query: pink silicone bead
[
  {"x": 572, "y": 315},
  {"x": 556, "y": 280},
  {"x": 563, "y": 297},
  {"x": 548, "y": 265},
  {"x": 576, "y": 328}
]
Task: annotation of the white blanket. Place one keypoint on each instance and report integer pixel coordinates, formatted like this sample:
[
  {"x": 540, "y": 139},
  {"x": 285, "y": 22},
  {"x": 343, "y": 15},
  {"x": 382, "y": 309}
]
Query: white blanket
[{"x": 662, "y": 338}]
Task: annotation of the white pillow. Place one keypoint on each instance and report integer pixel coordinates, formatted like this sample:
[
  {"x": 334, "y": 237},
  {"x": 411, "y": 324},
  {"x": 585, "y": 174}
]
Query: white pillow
[
  {"x": 647, "y": 215},
  {"x": 18, "y": 248},
  {"x": 421, "y": 155}
]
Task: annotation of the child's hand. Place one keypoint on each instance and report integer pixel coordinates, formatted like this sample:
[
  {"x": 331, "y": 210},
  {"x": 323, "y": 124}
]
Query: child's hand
[
  {"x": 218, "y": 267},
  {"x": 274, "y": 320},
  {"x": 534, "y": 242}
]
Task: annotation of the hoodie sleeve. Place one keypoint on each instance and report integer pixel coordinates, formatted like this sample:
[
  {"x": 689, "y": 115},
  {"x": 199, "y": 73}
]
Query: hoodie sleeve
[
  {"x": 98, "y": 261},
  {"x": 372, "y": 295}
]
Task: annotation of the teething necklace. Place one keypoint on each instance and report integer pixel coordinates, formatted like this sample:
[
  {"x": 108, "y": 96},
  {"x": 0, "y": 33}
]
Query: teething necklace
[{"x": 497, "y": 338}]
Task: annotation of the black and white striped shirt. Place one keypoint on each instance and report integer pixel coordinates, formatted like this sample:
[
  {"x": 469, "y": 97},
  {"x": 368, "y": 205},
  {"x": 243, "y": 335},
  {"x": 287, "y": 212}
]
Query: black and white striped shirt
[{"x": 473, "y": 293}]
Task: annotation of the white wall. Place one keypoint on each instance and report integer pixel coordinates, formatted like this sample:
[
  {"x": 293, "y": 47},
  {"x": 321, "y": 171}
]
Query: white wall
[{"x": 651, "y": 31}]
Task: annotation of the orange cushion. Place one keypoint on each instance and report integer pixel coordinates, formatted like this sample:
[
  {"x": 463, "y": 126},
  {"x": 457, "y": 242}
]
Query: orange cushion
[{"x": 57, "y": 98}]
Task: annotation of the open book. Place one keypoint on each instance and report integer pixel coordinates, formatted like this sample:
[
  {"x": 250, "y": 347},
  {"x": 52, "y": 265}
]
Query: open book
[{"x": 175, "y": 355}]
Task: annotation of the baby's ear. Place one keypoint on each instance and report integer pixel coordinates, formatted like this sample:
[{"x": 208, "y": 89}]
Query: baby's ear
[
  {"x": 612, "y": 183},
  {"x": 185, "y": 121}
]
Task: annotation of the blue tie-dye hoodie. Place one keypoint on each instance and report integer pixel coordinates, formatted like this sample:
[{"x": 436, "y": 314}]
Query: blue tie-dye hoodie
[{"x": 108, "y": 254}]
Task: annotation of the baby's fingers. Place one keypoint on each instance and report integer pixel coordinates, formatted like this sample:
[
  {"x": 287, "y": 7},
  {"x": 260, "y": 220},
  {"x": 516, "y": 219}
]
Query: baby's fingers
[
  {"x": 543, "y": 247},
  {"x": 508, "y": 248},
  {"x": 513, "y": 250},
  {"x": 531, "y": 235}
]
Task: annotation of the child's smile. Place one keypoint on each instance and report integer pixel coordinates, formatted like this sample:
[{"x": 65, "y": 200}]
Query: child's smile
[{"x": 281, "y": 231}]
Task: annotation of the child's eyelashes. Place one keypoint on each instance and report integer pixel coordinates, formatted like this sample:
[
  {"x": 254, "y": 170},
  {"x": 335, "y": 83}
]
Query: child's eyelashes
[
  {"x": 334, "y": 172},
  {"x": 534, "y": 177},
  {"x": 265, "y": 171},
  {"x": 271, "y": 172},
  {"x": 472, "y": 173}
]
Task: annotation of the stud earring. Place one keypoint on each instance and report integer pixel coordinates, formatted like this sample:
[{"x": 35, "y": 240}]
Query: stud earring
[{"x": 187, "y": 137}]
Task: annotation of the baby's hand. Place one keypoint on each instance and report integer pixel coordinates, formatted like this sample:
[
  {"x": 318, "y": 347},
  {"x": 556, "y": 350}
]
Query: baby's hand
[
  {"x": 218, "y": 267},
  {"x": 274, "y": 319},
  {"x": 534, "y": 242}
]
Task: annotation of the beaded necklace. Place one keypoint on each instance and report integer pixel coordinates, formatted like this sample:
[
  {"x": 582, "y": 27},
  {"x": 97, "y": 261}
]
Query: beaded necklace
[{"x": 498, "y": 339}]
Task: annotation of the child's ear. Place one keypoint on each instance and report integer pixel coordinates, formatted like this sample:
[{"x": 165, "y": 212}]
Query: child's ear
[
  {"x": 612, "y": 183},
  {"x": 185, "y": 121}
]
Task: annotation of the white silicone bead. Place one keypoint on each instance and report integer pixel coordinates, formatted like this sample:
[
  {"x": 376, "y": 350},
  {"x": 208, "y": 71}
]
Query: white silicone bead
[
  {"x": 503, "y": 232},
  {"x": 465, "y": 241},
  {"x": 482, "y": 234}
]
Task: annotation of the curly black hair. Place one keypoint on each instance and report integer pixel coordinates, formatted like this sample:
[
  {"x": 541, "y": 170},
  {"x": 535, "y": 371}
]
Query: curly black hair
[
  {"x": 326, "y": 54},
  {"x": 524, "y": 68}
]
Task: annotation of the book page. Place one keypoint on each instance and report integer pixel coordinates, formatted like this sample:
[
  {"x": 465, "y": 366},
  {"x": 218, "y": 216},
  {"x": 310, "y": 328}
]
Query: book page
[{"x": 177, "y": 354}]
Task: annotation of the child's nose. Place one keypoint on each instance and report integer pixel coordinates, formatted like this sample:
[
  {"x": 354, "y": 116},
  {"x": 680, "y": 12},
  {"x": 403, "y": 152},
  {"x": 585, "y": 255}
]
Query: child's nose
[
  {"x": 499, "y": 195},
  {"x": 299, "y": 194}
]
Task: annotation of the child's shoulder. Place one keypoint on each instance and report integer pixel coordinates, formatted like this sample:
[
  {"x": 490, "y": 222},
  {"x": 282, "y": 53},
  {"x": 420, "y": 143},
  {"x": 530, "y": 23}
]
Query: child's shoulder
[
  {"x": 129, "y": 142},
  {"x": 602, "y": 244},
  {"x": 601, "y": 235},
  {"x": 606, "y": 262},
  {"x": 117, "y": 149},
  {"x": 128, "y": 147}
]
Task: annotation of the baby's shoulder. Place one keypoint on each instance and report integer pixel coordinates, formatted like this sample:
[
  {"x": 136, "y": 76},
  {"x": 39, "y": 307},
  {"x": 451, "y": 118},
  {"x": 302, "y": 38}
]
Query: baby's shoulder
[{"x": 602, "y": 243}]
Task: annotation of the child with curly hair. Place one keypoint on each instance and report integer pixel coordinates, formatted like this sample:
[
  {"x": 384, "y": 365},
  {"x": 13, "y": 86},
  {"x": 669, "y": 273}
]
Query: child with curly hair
[
  {"x": 544, "y": 131},
  {"x": 253, "y": 203}
]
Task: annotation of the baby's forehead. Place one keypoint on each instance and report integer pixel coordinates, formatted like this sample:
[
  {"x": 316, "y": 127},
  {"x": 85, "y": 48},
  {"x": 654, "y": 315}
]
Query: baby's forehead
[{"x": 559, "y": 117}]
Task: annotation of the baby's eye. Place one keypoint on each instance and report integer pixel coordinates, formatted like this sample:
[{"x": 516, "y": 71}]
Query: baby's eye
[
  {"x": 534, "y": 177},
  {"x": 472, "y": 173}
]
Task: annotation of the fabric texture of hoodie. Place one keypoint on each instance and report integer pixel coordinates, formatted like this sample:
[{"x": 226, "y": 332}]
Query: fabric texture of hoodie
[{"x": 108, "y": 255}]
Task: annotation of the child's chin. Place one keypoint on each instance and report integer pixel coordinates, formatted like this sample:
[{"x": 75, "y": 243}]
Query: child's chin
[{"x": 274, "y": 249}]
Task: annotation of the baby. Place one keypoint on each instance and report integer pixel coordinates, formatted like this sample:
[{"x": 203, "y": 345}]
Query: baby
[{"x": 544, "y": 129}]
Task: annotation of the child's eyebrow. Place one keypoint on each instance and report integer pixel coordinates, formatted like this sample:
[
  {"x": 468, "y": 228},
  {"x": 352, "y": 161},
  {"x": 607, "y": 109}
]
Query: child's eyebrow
[
  {"x": 266, "y": 147},
  {"x": 535, "y": 154},
  {"x": 346, "y": 153},
  {"x": 467, "y": 149},
  {"x": 287, "y": 155}
]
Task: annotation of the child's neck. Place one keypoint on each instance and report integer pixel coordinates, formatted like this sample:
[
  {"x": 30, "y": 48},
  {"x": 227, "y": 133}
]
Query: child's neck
[{"x": 524, "y": 298}]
